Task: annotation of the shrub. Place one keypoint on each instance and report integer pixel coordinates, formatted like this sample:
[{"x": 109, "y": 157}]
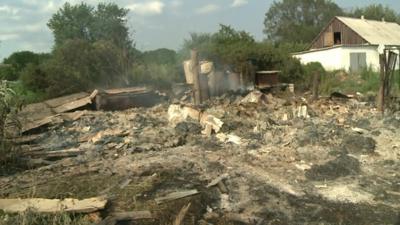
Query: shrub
[
  {"x": 235, "y": 49},
  {"x": 8, "y": 72},
  {"x": 78, "y": 65},
  {"x": 157, "y": 75},
  {"x": 17, "y": 62},
  {"x": 367, "y": 81},
  {"x": 27, "y": 95},
  {"x": 9, "y": 106},
  {"x": 34, "y": 77},
  {"x": 310, "y": 69}
]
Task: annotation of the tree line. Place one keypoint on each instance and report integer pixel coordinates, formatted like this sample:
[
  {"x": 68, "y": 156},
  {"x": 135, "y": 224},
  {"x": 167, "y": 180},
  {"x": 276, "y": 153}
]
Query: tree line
[{"x": 93, "y": 48}]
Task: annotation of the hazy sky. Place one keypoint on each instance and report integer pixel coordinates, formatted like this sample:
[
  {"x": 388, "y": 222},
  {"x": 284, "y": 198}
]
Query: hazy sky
[{"x": 156, "y": 23}]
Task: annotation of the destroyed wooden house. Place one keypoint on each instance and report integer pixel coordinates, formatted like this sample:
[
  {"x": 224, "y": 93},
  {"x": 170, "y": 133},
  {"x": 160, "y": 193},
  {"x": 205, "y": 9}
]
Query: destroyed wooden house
[
  {"x": 71, "y": 107},
  {"x": 352, "y": 44},
  {"x": 217, "y": 82}
]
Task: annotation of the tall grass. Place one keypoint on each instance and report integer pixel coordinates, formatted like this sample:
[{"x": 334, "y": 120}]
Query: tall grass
[
  {"x": 32, "y": 218},
  {"x": 365, "y": 82}
]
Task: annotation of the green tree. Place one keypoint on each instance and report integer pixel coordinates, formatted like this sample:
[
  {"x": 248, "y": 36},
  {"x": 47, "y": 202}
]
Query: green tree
[
  {"x": 17, "y": 61},
  {"x": 159, "y": 56},
  {"x": 298, "y": 21},
  {"x": 199, "y": 41},
  {"x": 82, "y": 21},
  {"x": 34, "y": 78},
  {"x": 79, "y": 65},
  {"x": 376, "y": 12},
  {"x": 229, "y": 48},
  {"x": 232, "y": 47}
]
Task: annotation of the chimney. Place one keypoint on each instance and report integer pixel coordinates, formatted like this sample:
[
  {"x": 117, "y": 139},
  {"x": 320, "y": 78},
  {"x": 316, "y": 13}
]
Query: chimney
[{"x": 362, "y": 17}]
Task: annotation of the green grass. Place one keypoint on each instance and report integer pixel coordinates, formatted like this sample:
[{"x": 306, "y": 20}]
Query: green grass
[
  {"x": 26, "y": 95},
  {"x": 32, "y": 218},
  {"x": 365, "y": 82}
]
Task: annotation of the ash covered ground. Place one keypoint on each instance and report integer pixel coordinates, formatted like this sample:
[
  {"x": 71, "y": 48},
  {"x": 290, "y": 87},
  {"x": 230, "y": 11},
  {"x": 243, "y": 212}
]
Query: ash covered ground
[{"x": 256, "y": 159}]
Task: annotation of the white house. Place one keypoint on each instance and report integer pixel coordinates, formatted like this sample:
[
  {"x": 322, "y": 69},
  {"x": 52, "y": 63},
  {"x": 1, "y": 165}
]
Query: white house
[{"x": 352, "y": 44}]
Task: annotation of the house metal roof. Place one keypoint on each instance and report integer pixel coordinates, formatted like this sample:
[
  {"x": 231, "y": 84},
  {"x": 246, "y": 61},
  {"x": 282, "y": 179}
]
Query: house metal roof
[{"x": 374, "y": 32}]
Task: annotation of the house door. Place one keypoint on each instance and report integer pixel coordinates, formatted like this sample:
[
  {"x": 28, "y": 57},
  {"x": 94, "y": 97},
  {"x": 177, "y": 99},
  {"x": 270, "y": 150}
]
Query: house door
[{"x": 358, "y": 61}]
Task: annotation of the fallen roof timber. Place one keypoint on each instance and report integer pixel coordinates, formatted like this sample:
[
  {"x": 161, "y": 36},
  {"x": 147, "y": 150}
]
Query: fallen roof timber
[
  {"x": 52, "y": 205},
  {"x": 57, "y": 110}
]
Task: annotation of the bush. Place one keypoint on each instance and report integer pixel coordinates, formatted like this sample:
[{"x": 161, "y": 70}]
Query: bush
[
  {"x": 8, "y": 72},
  {"x": 27, "y": 95},
  {"x": 236, "y": 49},
  {"x": 34, "y": 77},
  {"x": 310, "y": 69},
  {"x": 17, "y": 62},
  {"x": 364, "y": 82},
  {"x": 78, "y": 65},
  {"x": 157, "y": 75},
  {"x": 9, "y": 106}
]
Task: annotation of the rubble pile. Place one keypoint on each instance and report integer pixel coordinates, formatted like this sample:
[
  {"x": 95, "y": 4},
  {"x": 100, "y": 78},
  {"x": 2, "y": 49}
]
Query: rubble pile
[{"x": 251, "y": 159}]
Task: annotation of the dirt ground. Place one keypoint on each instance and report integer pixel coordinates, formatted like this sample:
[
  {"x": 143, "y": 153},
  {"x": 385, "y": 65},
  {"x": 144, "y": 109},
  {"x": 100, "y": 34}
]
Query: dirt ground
[{"x": 280, "y": 160}]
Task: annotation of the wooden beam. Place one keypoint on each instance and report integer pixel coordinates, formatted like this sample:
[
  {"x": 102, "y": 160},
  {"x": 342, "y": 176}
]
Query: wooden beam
[
  {"x": 194, "y": 62},
  {"x": 52, "y": 205},
  {"x": 315, "y": 86},
  {"x": 176, "y": 195},
  {"x": 56, "y": 154},
  {"x": 381, "y": 93},
  {"x": 181, "y": 215}
]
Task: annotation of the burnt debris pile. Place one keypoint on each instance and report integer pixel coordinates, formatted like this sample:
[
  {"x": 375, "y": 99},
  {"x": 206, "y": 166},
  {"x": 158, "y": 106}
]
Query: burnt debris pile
[{"x": 249, "y": 158}]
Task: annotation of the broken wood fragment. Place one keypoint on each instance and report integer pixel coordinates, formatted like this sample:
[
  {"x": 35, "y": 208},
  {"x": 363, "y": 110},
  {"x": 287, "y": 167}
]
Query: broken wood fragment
[
  {"x": 52, "y": 205},
  {"x": 26, "y": 139},
  {"x": 73, "y": 115},
  {"x": 195, "y": 69},
  {"x": 217, "y": 180},
  {"x": 181, "y": 215},
  {"x": 222, "y": 188},
  {"x": 56, "y": 154},
  {"x": 176, "y": 195}
]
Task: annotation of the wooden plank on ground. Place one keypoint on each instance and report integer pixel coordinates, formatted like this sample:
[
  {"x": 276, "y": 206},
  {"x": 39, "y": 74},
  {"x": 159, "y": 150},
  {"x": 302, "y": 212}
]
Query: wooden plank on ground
[
  {"x": 126, "y": 90},
  {"x": 36, "y": 124},
  {"x": 181, "y": 215},
  {"x": 176, "y": 195},
  {"x": 52, "y": 205},
  {"x": 55, "y": 102},
  {"x": 76, "y": 104},
  {"x": 34, "y": 112},
  {"x": 72, "y": 116},
  {"x": 26, "y": 139},
  {"x": 56, "y": 154},
  {"x": 217, "y": 180}
]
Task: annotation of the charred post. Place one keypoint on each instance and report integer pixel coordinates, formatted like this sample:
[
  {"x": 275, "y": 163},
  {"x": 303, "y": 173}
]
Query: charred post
[
  {"x": 315, "y": 86},
  {"x": 194, "y": 62},
  {"x": 381, "y": 94}
]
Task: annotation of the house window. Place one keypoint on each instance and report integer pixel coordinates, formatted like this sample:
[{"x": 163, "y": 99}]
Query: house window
[
  {"x": 358, "y": 61},
  {"x": 337, "y": 37}
]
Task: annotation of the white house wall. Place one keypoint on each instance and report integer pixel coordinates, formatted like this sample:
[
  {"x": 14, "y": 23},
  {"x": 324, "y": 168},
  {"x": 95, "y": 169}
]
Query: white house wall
[{"x": 338, "y": 58}]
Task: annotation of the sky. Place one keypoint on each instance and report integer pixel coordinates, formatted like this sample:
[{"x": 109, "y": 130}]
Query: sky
[{"x": 154, "y": 23}]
